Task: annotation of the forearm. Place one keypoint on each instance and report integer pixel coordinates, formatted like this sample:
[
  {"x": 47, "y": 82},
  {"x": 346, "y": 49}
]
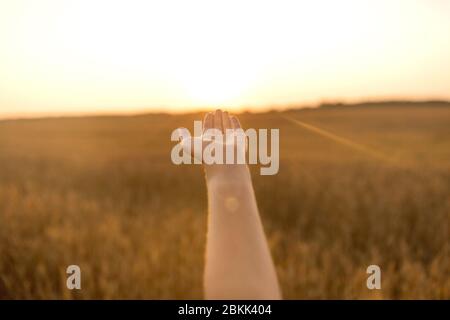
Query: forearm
[{"x": 238, "y": 261}]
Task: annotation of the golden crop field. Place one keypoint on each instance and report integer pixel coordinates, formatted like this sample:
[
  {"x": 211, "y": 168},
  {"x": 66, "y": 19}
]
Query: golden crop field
[{"x": 102, "y": 193}]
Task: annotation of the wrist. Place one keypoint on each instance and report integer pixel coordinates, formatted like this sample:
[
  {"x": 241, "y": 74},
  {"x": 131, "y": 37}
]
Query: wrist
[{"x": 230, "y": 174}]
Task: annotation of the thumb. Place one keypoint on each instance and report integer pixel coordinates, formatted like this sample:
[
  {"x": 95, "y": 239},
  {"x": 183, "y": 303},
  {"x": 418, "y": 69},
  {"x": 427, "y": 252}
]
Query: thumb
[{"x": 193, "y": 146}]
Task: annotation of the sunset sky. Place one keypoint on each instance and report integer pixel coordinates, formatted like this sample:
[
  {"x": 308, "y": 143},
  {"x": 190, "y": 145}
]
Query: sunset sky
[{"x": 82, "y": 56}]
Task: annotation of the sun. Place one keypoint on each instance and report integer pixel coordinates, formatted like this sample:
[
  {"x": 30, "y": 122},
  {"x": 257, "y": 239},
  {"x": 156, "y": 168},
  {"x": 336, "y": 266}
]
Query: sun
[
  {"x": 207, "y": 82},
  {"x": 206, "y": 87}
]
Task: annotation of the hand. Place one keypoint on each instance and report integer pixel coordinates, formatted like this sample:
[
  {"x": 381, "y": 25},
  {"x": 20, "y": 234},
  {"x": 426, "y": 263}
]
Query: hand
[{"x": 232, "y": 138}]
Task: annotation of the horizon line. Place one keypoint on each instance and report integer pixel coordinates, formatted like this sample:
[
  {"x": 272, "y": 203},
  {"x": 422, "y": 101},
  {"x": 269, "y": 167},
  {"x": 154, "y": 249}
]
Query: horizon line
[{"x": 180, "y": 111}]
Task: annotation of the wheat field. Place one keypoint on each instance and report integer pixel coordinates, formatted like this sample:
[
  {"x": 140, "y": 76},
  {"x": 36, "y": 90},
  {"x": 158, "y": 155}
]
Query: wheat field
[{"x": 102, "y": 193}]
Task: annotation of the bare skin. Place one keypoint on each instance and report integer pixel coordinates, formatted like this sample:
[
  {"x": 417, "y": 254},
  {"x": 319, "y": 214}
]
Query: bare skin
[{"x": 238, "y": 260}]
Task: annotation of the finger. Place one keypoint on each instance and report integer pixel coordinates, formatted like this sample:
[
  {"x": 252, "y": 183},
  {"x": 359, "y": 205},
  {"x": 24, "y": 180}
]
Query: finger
[
  {"x": 235, "y": 123},
  {"x": 208, "y": 121},
  {"x": 218, "y": 120},
  {"x": 226, "y": 121}
]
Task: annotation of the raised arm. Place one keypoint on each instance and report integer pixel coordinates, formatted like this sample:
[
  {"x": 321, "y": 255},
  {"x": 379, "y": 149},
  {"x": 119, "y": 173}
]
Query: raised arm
[{"x": 238, "y": 260}]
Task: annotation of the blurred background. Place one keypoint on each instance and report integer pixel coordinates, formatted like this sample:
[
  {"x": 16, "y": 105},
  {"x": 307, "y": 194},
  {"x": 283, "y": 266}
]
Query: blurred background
[{"x": 90, "y": 92}]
